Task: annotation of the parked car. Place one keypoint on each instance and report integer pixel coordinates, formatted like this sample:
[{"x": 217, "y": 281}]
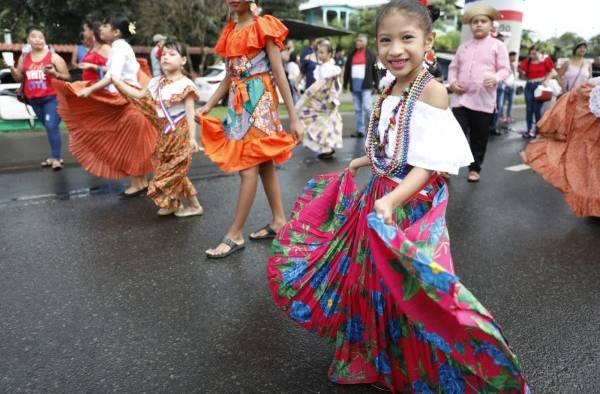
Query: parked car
[
  {"x": 12, "y": 109},
  {"x": 209, "y": 82}
]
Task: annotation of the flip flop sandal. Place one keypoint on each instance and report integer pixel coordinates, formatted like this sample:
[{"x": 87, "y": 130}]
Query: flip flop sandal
[
  {"x": 269, "y": 235},
  {"x": 233, "y": 247},
  {"x": 473, "y": 177},
  {"x": 57, "y": 165},
  {"x": 49, "y": 161}
]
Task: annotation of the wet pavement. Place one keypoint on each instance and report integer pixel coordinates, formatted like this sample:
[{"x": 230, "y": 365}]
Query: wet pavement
[{"x": 101, "y": 295}]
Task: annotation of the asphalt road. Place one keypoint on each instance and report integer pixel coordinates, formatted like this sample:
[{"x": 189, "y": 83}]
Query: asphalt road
[{"x": 101, "y": 295}]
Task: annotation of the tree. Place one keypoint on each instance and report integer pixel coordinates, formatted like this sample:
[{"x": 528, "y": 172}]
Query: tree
[
  {"x": 594, "y": 46},
  {"x": 281, "y": 8},
  {"x": 448, "y": 42}
]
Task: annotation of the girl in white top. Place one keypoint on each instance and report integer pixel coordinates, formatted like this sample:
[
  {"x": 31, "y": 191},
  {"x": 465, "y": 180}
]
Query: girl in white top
[
  {"x": 169, "y": 103},
  {"x": 108, "y": 135},
  {"x": 575, "y": 71},
  {"x": 318, "y": 107}
]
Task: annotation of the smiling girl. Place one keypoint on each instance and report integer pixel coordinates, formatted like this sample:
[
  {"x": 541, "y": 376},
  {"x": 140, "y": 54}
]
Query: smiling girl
[{"x": 372, "y": 270}]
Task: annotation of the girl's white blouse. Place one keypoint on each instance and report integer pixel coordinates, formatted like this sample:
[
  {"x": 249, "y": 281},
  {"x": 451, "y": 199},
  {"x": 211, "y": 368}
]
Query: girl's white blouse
[
  {"x": 122, "y": 64},
  {"x": 326, "y": 70},
  {"x": 436, "y": 140},
  {"x": 173, "y": 94}
]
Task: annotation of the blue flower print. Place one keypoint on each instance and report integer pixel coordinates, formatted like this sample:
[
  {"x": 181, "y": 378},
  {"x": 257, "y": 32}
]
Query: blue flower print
[
  {"x": 319, "y": 276},
  {"x": 496, "y": 354},
  {"x": 440, "y": 196},
  {"x": 420, "y": 387},
  {"x": 311, "y": 184},
  {"x": 394, "y": 330},
  {"x": 378, "y": 302},
  {"x": 344, "y": 204},
  {"x": 354, "y": 329},
  {"x": 437, "y": 230},
  {"x": 300, "y": 312},
  {"x": 329, "y": 302},
  {"x": 386, "y": 232},
  {"x": 382, "y": 363},
  {"x": 459, "y": 347},
  {"x": 434, "y": 339},
  {"x": 417, "y": 212},
  {"x": 451, "y": 380},
  {"x": 294, "y": 273},
  {"x": 343, "y": 265},
  {"x": 440, "y": 280}
]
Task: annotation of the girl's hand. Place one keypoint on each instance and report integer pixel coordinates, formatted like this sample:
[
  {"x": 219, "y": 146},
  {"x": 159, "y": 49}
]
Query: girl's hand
[
  {"x": 194, "y": 145},
  {"x": 456, "y": 88},
  {"x": 204, "y": 110},
  {"x": 50, "y": 69},
  {"x": 85, "y": 92},
  {"x": 490, "y": 81},
  {"x": 384, "y": 208},
  {"x": 297, "y": 130},
  {"x": 353, "y": 168}
]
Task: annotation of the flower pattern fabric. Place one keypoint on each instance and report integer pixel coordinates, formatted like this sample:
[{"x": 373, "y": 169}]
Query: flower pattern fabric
[
  {"x": 318, "y": 112},
  {"x": 387, "y": 295}
]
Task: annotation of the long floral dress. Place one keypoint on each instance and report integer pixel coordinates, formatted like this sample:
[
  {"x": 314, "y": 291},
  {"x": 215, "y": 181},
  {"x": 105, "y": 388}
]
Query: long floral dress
[
  {"x": 172, "y": 158},
  {"x": 252, "y": 132},
  {"x": 387, "y": 295},
  {"x": 318, "y": 110}
]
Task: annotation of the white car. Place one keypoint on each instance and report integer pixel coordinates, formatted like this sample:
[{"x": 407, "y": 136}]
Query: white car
[
  {"x": 209, "y": 82},
  {"x": 10, "y": 108}
]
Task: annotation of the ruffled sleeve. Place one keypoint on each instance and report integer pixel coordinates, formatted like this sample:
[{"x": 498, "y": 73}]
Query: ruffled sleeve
[
  {"x": 437, "y": 142},
  {"x": 251, "y": 38}
]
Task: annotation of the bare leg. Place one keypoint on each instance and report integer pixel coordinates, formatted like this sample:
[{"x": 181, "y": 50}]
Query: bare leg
[
  {"x": 249, "y": 183},
  {"x": 270, "y": 181}
]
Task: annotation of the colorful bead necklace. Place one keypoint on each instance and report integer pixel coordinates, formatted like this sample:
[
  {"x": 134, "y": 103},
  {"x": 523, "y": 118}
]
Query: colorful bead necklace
[{"x": 375, "y": 147}]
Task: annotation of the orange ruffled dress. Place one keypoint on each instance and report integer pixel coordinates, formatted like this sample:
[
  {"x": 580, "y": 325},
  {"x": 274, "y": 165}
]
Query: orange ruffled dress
[
  {"x": 108, "y": 135},
  {"x": 567, "y": 154},
  {"x": 252, "y": 132}
]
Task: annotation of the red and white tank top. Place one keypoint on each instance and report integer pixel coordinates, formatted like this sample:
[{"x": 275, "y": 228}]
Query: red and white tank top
[{"x": 36, "y": 83}]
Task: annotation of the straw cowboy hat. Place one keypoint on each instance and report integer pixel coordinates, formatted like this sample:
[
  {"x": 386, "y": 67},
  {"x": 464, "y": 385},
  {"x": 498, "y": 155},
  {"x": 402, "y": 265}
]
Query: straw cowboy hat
[{"x": 481, "y": 9}]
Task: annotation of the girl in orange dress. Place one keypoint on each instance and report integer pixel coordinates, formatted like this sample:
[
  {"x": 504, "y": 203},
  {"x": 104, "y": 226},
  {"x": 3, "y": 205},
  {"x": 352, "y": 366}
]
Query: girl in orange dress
[
  {"x": 109, "y": 136},
  {"x": 169, "y": 104},
  {"x": 567, "y": 154},
  {"x": 252, "y": 139}
]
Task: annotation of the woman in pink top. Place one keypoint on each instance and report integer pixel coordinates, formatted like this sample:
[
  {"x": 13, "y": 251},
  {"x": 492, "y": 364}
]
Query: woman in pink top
[
  {"x": 479, "y": 65},
  {"x": 576, "y": 71}
]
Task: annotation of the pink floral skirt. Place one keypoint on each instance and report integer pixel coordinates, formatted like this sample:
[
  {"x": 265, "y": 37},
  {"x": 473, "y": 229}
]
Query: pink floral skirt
[{"x": 386, "y": 295}]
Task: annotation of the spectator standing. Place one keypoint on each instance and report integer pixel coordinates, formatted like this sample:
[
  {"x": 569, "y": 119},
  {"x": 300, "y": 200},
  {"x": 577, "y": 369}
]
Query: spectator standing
[
  {"x": 159, "y": 41},
  {"x": 596, "y": 67},
  {"x": 474, "y": 73},
  {"x": 362, "y": 77},
  {"x": 536, "y": 71},
  {"x": 575, "y": 71},
  {"x": 36, "y": 69},
  {"x": 293, "y": 73},
  {"x": 308, "y": 63}
]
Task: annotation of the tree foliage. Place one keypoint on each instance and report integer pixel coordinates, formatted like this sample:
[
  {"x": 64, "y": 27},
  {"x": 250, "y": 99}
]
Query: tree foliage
[{"x": 281, "y": 8}]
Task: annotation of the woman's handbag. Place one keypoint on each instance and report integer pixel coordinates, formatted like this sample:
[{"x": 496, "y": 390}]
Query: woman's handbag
[{"x": 543, "y": 93}]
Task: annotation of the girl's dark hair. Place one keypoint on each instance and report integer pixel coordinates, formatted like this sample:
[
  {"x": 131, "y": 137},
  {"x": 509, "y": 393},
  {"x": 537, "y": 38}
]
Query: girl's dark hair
[
  {"x": 178, "y": 46},
  {"x": 94, "y": 26},
  {"x": 120, "y": 22},
  {"x": 34, "y": 28},
  {"x": 579, "y": 45},
  {"x": 531, "y": 48},
  {"x": 427, "y": 15}
]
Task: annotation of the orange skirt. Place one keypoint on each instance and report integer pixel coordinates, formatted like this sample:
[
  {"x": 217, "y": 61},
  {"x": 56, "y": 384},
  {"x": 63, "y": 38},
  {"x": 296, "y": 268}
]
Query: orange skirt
[
  {"x": 567, "y": 154},
  {"x": 108, "y": 135},
  {"x": 237, "y": 155}
]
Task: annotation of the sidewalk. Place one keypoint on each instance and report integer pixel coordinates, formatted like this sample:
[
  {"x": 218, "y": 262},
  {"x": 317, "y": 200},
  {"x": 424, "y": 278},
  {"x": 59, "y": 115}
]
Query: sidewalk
[{"x": 28, "y": 149}]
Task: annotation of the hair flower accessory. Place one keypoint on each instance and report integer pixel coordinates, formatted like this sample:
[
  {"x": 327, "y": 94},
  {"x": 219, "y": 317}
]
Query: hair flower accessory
[{"x": 131, "y": 28}]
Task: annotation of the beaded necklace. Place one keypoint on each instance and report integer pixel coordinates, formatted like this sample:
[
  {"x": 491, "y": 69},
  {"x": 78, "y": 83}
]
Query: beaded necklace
[{"x": 376, "y": 148}]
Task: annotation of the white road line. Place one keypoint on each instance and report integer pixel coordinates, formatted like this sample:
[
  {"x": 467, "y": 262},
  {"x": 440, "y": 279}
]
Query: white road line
[{"x": 518, "y": 168}]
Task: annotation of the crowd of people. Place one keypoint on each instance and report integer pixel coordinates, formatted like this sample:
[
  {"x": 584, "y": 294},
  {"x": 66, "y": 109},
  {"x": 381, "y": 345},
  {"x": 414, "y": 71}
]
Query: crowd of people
[{"x": 369, "y": 269}]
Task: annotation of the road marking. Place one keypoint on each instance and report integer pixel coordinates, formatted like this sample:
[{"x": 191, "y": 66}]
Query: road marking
[{"x": 518, "y": 168}]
